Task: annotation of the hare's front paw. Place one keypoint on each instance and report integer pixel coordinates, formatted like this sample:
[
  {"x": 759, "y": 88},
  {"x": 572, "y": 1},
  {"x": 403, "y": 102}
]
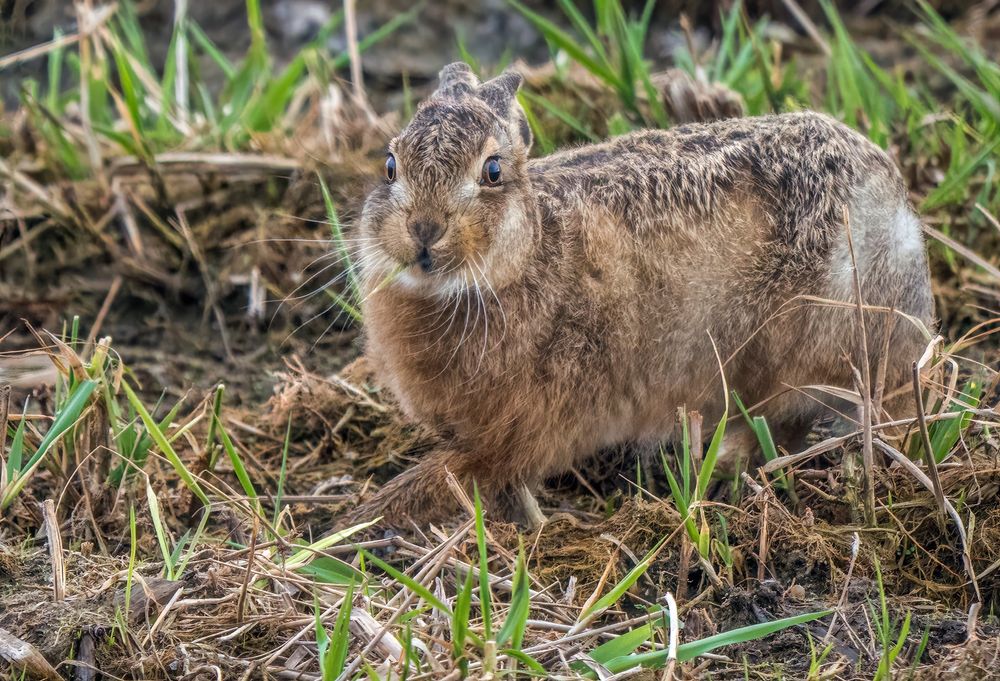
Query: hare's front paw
[
  {"x": 408, "y": 500},
  {"x": 515, "y": 503},
  {"x": 421, "y": 495}
]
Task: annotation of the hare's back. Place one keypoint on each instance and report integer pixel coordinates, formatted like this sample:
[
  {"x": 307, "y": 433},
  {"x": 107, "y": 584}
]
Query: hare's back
[{"x": 797, "y": 172}]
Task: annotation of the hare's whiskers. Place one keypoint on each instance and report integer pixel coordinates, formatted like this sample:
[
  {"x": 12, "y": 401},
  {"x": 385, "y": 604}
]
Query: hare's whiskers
[{"x": 492, "y": 290}]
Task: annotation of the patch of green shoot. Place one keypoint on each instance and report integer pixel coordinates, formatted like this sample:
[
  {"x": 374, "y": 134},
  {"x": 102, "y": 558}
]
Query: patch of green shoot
[
  {"x": 886, "y": 631},
  {"x": 758, "y": 425},
  {"x": 516, "y": 622},
  {"x": 690, "y": 491},
  {"x": 596, "y": 607},
  {"x": 816, "y": 661},
  {"x": 460, "y": 624},
  {"x": 485, "y": 595},
  {"x": 945, "y": 433},
  {"x": 18, "y": 471},
  {"x": 612, "y": 50},
  {"x": 538, "y": 131},
  {"x": 282, "y": 475},
  {"x": 165, "y": 447},
  {"x": 332, "y": 648},
  {"x": 133, "y": 548}
]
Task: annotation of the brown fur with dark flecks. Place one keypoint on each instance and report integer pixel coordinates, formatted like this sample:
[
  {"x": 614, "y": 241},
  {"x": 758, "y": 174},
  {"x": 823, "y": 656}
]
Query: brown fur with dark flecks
[{"x": 575, "y": 306}]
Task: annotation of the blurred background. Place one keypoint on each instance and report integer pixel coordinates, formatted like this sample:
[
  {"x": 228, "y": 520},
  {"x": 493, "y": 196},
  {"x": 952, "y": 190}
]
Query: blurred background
[{"x": 492, "y": 30}]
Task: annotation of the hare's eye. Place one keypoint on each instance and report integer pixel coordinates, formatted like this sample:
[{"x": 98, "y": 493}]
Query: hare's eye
[
  {"x": 390, "y": 168},
  {"x": 491, "y": 173}
]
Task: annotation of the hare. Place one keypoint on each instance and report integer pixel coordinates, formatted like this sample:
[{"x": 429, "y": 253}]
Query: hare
[{"x": 536, "y": 311}]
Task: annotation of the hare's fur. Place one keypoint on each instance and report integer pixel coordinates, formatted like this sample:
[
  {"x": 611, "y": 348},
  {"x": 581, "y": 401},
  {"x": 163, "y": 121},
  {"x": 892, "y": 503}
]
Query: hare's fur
[{"x": 581, "y": 303}]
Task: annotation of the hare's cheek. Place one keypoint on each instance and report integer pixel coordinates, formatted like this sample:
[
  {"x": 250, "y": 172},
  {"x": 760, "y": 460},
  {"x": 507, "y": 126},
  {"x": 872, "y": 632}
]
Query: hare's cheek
[
  {"x": 510, "y": 227},
  {"x": 392, "y": 239},
  {"x": 472, "y": 237}
]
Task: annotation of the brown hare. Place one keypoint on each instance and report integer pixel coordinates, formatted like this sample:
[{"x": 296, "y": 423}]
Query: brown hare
[{"x": 536, "y": 311}]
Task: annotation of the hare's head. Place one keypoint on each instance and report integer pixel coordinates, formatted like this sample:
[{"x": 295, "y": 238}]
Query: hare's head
[{"x": 454, "y": 209}]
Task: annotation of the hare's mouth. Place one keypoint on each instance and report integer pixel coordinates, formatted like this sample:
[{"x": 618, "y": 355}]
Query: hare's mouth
[
  {"x": 424, "y": 260},
  {"x": 435, "y": 280}
]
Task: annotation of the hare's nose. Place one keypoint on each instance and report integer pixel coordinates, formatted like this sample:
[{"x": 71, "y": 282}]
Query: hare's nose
[{"x": 425, "y": 232}]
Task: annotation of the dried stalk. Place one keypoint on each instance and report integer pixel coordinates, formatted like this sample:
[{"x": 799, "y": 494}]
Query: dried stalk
[{"x": 48, "y": 509}]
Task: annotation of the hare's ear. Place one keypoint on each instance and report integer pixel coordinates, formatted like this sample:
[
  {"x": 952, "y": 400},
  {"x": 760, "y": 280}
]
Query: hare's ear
[
  {"x": 501, "y": 94},
  {"x": 456, "y": 80}
]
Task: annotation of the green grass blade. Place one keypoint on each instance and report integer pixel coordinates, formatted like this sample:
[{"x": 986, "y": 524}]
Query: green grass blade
[
  {"x": 460, "y": 624},
  {"x": 238, "y": 468},
  {"x": 987, "y": 69},
  {"x": 161, "y": 531},
  {"x": 341, "y": 635},
  {"x": 727, "y": 42},
  {"x": 161, "y": 441},
  {"x": 209, "y": 48},
  {"x": 520, "y": 607},
  {"x": 16, "y": 453},
  {"x": 566, "y": 117},
  {"x": 622, "y": 645},
  {"x": 583, "y": 27},
  {"x": 619, "y": 590},
  {"x": 133, "y": 96},
  {"x": 537, "y": 130},
  {"x": 485, "y": 595},
  {"x": 268, "y": 108},
  {"x": 199, "y": 531},
  {"x": 684, "y": 460},
  {"x": 955, "y": 184},
  {"x": 305, "y": 554},
  {"x": 463, "y": 54},
  {"x": 681, "y": 500},
  {"x": 55, "y": 67},
  {"x": 642, "y": 27},
  {"x": 126, "y": 24},
  {"x": 70, "y": 413},
  {"x": 711, "y": 456},
  {"x": 137, "y": 452},
  {"x": 327, "y": 671},
  {"x": 944, "y": 434},
  {"x": 410, "y": 583},
  {"x": 689, "y": 651},
  {"x": 766, "y": 440},
  {"x": 567, "y": 43},
  {"x": 331, "y": 570},
  {"x": 337, "y": 234},
  {"x": 133, "y": 549},
  {"x": 282, "y": 473},
  {"x": 73, "y": 407},
  {"x": 528, "y": 661},
  {"x": 255, "y": 21}
]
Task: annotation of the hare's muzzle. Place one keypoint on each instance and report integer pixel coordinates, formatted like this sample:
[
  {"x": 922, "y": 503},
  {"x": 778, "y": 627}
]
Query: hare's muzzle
[{"x": 425, "y": 234}]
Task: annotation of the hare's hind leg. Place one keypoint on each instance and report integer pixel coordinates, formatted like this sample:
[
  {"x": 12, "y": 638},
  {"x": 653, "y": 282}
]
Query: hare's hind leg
[
  {"x": 515, "y": 503},
  {"x": 896, "y": 291},
  {"x": 791, "y": 417}
]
